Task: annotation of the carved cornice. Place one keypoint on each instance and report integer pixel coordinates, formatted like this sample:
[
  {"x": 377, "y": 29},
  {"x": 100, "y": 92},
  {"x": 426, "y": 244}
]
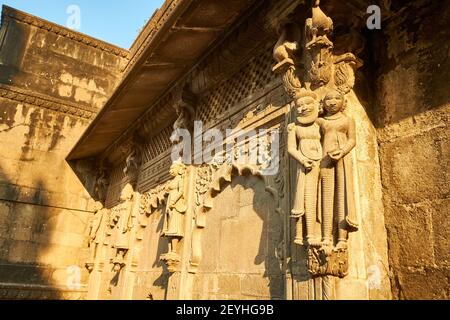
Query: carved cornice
[
  {"x": 46, "y": 102},
  {"x": 10, "y": 13}
]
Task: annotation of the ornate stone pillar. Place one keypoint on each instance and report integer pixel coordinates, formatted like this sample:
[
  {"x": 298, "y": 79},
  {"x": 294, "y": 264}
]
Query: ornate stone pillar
[{"x": 335, "y": 185}]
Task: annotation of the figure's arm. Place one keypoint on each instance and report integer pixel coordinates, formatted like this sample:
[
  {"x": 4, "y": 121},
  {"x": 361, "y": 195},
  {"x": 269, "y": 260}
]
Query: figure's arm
[
  {"x": 179, "y": 193},
  {"x": 351, "y": 137},
  {"x": 292, "y": 147}
]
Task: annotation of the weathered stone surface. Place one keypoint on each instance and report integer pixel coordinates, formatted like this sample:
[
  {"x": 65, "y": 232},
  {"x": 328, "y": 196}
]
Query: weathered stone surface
[
  {"x": 51, "y": 86},
  {"x": 413, "y": 97},
  {"x": 164, "y": 230}
]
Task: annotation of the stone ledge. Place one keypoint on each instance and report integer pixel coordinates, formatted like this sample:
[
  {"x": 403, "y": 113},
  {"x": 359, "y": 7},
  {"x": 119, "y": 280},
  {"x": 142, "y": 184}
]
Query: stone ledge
[
  {"x": 43, "y": 101},
  {"x": 11, "y": 13}
]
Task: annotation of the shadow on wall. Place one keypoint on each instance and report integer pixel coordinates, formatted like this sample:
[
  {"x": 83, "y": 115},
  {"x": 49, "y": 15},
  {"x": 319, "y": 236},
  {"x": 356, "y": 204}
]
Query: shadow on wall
[
  {"x": 26, "y": 232},
  {"x": 406, "y": 67},
  {"x": 252, "y": 195},
  {"x": 162, "y": 281},
  {"x": 13, "y": 40},
  {"x": 257, "y": 237}
]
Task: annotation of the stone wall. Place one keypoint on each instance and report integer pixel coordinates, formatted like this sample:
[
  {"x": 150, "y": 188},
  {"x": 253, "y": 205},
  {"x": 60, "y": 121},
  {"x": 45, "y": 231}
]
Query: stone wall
[
  {"x": 52, "y": 83},
  {"x": 412, "y": 67}
]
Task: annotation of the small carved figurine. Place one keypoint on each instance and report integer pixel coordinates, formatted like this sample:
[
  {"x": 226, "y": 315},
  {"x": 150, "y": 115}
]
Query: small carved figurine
[
  {"x": 319, "y": 27},
  {"x": 287, "y": 46}
]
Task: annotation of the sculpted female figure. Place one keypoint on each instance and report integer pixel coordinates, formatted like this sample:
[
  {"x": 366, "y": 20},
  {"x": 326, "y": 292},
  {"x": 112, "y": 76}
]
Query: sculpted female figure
[
  {"x": 176, "y": 206},
  {"x": 339, "y": 139},
  {"x": 304, "y": 146}
]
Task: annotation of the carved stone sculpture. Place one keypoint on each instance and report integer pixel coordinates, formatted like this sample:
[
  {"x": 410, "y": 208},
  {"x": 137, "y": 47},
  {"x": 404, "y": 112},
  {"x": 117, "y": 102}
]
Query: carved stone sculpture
[
  {"x": 339, "y": 139},
  {"x": 95, "y": 231},
  {"x": 175, "y": 211},
  {"x": 286, "y": 54},
  {"x": 184, "y": 105},
  {"x": 322, "y": 146},
  {"x": 150, "y": 202},
  {"x": 319, "y": 47},
  {"x": 101, "y": 183},
  {"x": 134, "y": 159},
  {"x": 304, "y": 146},
  {"x": 124, "y": 224},
  {"x": 287, "y": 46}
]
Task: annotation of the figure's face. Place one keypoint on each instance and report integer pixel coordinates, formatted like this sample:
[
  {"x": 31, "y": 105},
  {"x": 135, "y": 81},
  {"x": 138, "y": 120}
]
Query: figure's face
[
  {"x": 333, "y": 102},
  {"x": 172, "y": 171},
  {"x": 307, "y": 109}
]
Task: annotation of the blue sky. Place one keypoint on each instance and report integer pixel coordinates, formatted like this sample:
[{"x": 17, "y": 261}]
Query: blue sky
[{"x": 114, "y": 21}]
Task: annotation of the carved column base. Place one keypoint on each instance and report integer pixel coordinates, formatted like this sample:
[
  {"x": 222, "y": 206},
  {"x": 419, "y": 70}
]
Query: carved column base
[{"x": 322, "y": 263}]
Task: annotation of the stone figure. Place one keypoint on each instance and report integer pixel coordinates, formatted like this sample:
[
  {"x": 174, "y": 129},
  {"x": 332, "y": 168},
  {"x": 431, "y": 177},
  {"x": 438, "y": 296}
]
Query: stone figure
[
  {"x": 184, "y": 102},
  {"x": 94, "y": 232},
  {"x": 319, "y": 27},
  {"x": 176, "y": 206},
  {"x": 133, "y": 163},
  {"x": 101, "y": 184},
  {"x": 287, "y": 46},
  {"x": 304, "y": 145},
  {"x": 123, "y": 219},
  {"x": 339, "y": 139}
]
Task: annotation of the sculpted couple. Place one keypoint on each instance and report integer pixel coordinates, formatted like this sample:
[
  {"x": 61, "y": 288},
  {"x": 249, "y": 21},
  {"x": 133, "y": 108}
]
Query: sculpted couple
[{"x": 321, "y": 145}]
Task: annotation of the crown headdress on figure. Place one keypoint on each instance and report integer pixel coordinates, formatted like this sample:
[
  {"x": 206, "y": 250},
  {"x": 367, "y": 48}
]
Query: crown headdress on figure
[{"x": 303, "y": 93}]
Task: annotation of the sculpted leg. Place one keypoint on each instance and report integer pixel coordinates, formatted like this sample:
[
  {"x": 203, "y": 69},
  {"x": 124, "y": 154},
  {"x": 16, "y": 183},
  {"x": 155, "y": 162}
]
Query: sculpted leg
[
  {"x": 328, "y": 184},
  {"x": 340, "y": 196},
  {"x": 299, "y": 206},
  {"x": 312, "y": 181}
]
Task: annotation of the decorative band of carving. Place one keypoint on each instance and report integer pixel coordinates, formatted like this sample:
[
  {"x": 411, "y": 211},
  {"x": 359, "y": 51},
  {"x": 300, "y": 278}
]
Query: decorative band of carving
[
  {"x": 155, "y": 172},
  {"x": 42, "y": 101},
  {"x": 18, "y": 291},
  {"x": 64, "y": 32}
]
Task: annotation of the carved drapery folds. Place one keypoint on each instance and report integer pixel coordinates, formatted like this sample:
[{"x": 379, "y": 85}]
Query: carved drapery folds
[{"x": 321, "y": 141}]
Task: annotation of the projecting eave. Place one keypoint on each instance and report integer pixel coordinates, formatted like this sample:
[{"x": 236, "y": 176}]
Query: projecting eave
[{"x": 173, "y": 41}]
